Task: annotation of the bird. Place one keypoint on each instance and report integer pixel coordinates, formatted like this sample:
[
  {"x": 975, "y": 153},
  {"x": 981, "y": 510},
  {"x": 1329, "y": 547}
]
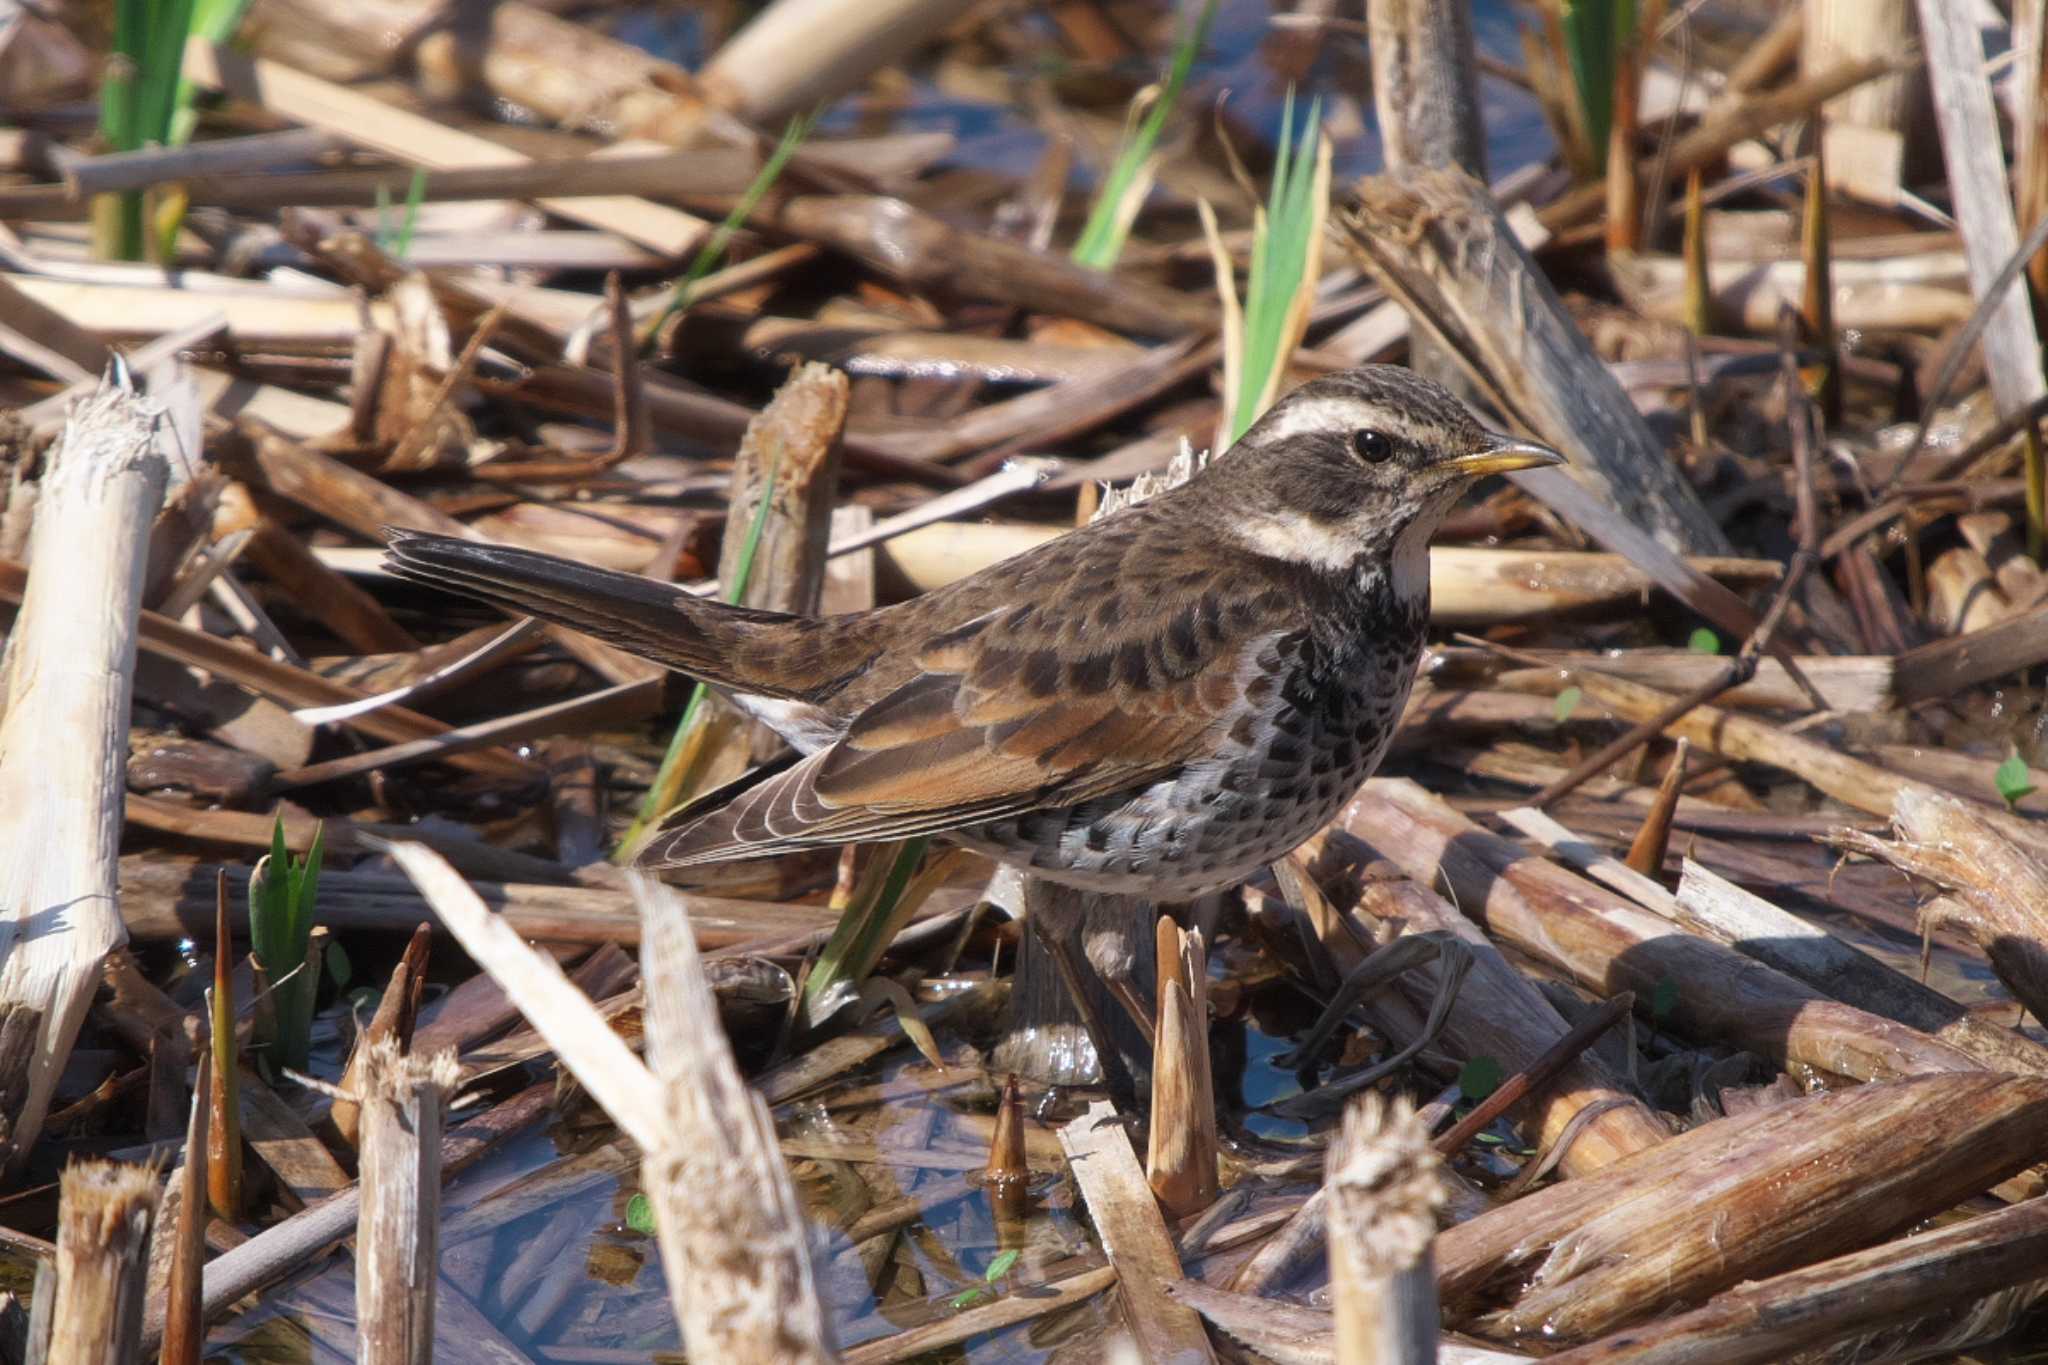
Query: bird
[{"x": 1157, "y": 704}]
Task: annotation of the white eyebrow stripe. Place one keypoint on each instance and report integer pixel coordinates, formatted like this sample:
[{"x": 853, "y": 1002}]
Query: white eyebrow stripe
[{"x": 1296, "y": 416}]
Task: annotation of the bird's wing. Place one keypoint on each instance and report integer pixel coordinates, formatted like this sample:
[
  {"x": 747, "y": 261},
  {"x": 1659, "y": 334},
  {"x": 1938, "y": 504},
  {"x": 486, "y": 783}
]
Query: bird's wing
[{"x": 1027, "y": 707}]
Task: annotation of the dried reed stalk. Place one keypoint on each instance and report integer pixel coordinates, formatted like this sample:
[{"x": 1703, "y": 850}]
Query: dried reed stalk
[
  {"x": 1736, "y": 1198},
  {"x": 69, "y": 668},
  {"x": 1611, "y": 945},
  {"x": 1437, "y": 242},
  {"x": 800, "y": 53},
  {"x": 1999, "y": 889}
]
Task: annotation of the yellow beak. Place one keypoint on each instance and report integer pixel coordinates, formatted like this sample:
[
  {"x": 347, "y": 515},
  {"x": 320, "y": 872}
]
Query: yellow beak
[{"x": 1506, "y": 455}]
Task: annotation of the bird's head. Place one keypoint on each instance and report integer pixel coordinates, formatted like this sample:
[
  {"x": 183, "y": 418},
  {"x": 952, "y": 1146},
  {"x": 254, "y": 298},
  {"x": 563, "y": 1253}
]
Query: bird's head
[{"x": 1365, "y": 462}]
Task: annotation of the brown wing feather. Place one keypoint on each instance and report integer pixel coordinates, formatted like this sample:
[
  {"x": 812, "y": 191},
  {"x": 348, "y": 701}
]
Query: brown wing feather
[{"x": 941, "y": 754}]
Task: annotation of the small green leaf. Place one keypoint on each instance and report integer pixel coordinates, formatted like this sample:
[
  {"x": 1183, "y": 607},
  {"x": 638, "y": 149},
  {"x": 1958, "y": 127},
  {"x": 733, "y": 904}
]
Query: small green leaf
[
  {"x": 967, "y": 1296},
  {"x": 1000, "y": 1266},
  {"x": 1704, "y": 641},
  {"x": 2011, "y": 778},
  {"x": 1567, "y": 702},
  {"x": 640, "y": 1215},
  {"x": 1664, "y": 998},
  {"x": 1480, "y": 1077},
  {"x": 339, "y": 970}
]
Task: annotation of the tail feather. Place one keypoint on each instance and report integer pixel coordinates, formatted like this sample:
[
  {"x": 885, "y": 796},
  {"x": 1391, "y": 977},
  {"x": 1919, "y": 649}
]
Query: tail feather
[{"x": 708, "y": 640}]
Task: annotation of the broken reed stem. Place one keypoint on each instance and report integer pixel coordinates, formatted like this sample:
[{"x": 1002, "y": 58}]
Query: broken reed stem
[
  {"x": 394, "y": 1019},
  {"x": 1539, "y": 1073},
  {"x": 732, "y": 1233},
  {"x": 404, "y": 1108},
  {"x": 103, "y": 1226},
  {"x": 1181, "y": 1150},
  {"x": 184, "y": 1323},
  {"x": 1383, "y": 1191},
  {"x": 69, "y": 668},
  {"x": 1646, "y": 852}
]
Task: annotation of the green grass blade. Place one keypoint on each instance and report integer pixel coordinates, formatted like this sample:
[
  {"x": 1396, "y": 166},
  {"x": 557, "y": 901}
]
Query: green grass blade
[
  {"x": 1108, "y": 227},
  {"x": 793, "y": 135},
  {"x": 215, "y": 21},
  {"x": 1284, "y": 242},
  {"x": 862, "y": 934},
  {"x": 1595, "y": 34},
  {"x": 415, "y": 194}
]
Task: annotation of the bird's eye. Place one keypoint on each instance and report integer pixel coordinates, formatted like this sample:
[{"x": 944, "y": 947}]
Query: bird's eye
[{"x": 1371, "y": 446}]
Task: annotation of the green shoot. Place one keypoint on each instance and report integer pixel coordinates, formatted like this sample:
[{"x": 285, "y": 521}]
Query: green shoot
[
  {"x": 1597, "y": 36},
  {"x": 1124, "y": 189},
  {"x": 666, "y": 792},
  {"x": 215, "y": 21},
  {"x": 397, "y": 242},
  {"x": 640, "y": 1215},
  {"x": 1480, "y": 1077},
  {"x": 137, "y": 96},
  {"x": 1286, "y": 261},
  {"x": 882, "y": 900},
  {"x": 997, "y": 1268},
  {"x": 1567, "y": 702},
  {"x": 146, "y": 101},
  {"x": 1703, "y": 641},
  {"x": 721, "y": 236},
  {"x": 2013, "y": 780},
  {"x": 282, "y": 893}
]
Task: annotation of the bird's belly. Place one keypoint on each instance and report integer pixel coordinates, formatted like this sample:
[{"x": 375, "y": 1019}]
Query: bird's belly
[{"x": 1216, "y": 822}]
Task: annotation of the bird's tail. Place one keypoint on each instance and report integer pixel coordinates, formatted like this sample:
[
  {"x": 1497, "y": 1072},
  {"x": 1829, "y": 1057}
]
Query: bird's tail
[{"x": 732, "y": 647}]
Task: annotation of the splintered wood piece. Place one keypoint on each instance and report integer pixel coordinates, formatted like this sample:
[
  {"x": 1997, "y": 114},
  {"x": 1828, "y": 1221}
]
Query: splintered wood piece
[
  {"x": 103, "y": 1228},
  {"x": 69, "y": 669},
  {"x": 1383, "y": 1194},
  {"x": 1738, "y": 1198},
  {"x": 393, "y": 1020},
  {"x": 1610, "y": 945},
  {"x": 1999, "y": 890},
  {"x": 1122, "y": 1206},
  {"x": 404, "y": 1107}
]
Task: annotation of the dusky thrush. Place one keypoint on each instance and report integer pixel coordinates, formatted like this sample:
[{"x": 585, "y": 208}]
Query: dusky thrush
[{"x": 1156, "y": 704}]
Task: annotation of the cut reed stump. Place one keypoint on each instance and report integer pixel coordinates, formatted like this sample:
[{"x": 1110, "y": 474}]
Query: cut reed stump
[
  {"x": 785, "y": 478},
  {"x": 404, "y": 1106},
  {"x": 69, "y": 669},
  {"x": 1436, "y": 241},
  {"x": 1383, "y": 1192},
  {"x": 103, "y": 1228}
]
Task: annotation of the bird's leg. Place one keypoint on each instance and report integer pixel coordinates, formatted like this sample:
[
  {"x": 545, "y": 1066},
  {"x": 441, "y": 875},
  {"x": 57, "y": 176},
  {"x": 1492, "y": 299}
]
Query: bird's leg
[{"x": 1074, "y": 972}]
